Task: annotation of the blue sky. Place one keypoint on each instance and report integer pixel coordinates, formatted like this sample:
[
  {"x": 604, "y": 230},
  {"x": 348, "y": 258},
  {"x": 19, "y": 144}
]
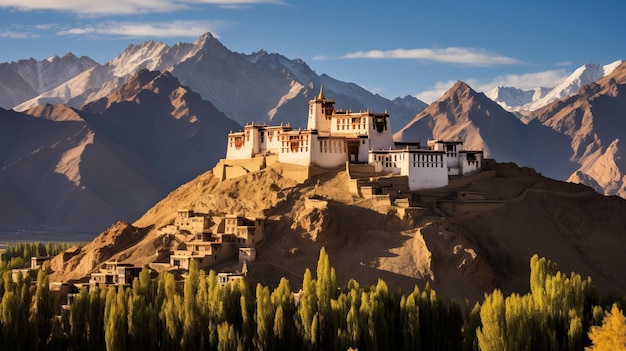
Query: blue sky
[{"x": 393, "y": 48}]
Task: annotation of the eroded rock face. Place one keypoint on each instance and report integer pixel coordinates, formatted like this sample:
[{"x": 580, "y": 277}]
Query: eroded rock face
[{"x": 79, "y": 262}]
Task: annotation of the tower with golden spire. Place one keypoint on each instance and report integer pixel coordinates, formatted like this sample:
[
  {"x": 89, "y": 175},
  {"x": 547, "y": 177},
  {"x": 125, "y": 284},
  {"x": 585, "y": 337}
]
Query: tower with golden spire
[{"x": 320, "y": 112}]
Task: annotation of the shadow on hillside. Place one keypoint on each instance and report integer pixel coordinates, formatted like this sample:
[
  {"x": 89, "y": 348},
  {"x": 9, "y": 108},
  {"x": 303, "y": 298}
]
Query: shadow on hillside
[{"x": 355, "y": 238}]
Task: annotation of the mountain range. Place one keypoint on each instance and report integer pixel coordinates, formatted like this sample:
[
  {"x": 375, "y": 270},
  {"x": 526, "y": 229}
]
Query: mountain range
[
  {"x": 576, "y": 138},
  {"x": 81, "y": 169},
  {"x": 260, "y": 86},
  {"x": 105, "y": 141},
  {"x": 26, "y": 79},
  {"x": 522, "y": 101}
]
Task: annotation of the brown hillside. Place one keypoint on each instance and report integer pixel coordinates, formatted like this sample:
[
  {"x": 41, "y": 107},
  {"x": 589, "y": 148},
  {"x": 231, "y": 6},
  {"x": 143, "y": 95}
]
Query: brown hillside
[{"x": 461, "y": 255}]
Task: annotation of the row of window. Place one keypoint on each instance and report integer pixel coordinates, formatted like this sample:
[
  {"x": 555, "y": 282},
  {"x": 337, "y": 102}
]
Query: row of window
[
  {"x": 294, "y": 148},
  {"x": 415, "y": 164},
  {"x": 332, "y": 146},
  {"x": 416, "y": 158}
]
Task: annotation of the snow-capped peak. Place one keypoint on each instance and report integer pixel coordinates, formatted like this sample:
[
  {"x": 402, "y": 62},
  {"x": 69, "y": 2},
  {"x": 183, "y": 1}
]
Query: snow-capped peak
[
  {"x": 137, "y": 56},
  {"x": 514, "y": 99},
  {"x": 608, "y": 69},
  {"x": 53, "y": 58}
]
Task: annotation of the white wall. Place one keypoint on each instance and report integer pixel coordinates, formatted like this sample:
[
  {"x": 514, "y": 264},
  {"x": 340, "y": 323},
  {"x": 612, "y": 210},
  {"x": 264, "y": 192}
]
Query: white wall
[
  {"x": 299, "y": 156},
  {"x": 429, "y": 174},
  {"x": 243, "y": 152},
  {"x": 468, "y": 167},
  {"x": 329, "y": 152}
]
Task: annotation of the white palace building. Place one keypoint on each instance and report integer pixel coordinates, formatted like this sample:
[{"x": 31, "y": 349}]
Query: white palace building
[{"x": 334, "y": 138}]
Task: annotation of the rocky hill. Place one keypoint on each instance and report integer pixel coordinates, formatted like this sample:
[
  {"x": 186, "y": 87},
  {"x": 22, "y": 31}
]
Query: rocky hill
[{"x": 462, "y": 253}]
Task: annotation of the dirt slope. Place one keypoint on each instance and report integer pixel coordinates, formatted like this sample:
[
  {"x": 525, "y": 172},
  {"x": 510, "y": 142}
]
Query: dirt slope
[{"x": 461, "y": 255}]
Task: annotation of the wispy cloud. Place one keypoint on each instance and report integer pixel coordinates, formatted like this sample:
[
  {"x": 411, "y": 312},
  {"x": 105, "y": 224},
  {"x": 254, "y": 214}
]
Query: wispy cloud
[
  {"x": 172, "y": 29},
  {"x": 18, "y": 35},
  {"x": 436, "y": 91},
  {"x": 454, "y": 55},
  {"x": 526, "y": 81},
  {"x": 123, "y": 7},
  {"x": 564, "y": 64}
]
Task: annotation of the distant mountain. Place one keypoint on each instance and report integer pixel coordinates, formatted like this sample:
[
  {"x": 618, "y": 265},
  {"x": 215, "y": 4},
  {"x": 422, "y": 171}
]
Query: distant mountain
[
  {"x": 166, "y": 124},
  {"x": 462, "y": 113},
  {"x": 23, "y": 80},
  {"x": 577, "y": 138},
  {"x": 65, "y": 176},
  {"x": 592, "y": 120},
  {"x": 518, "y": 100},
  {"x": 261, "y": 86},
  {"x": 83, "y": 169}
]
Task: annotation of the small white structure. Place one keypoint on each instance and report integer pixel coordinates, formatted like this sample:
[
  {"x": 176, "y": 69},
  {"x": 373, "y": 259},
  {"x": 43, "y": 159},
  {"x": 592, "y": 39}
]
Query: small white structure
[
  {"x": 424, "y": 169},
  {"x": 334, "y": 137}
]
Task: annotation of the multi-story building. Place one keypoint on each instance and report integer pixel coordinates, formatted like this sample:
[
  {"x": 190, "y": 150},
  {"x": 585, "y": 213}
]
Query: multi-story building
[{"x": 334, "y": 138}]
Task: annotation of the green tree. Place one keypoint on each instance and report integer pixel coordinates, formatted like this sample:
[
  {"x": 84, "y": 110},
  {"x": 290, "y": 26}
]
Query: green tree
[
  {"x": 265, "y": 315},
  {"x": 43, "y": 310},
  {"x": 79, "y": 314},
  {"x": 307, "y": 311},
  {"x": 226, "y": 336},
  {"x": 192, "y": 337},
  {"x": 116, "y": 325},
  {"x": 492, "y": 315}
]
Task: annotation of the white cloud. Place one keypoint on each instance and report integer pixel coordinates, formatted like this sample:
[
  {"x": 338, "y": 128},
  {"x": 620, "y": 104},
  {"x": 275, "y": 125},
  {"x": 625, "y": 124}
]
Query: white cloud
[
  {"x": 435, "y": 92},
  {"x": 17, "y": 35},
  {"x": 526, "y": 81},
  {"x": 157, "y": 29},
  {"x": 122, "y": 7},
  {"x": 467, "y": 56},
  {"x": 564, "y": 64}
]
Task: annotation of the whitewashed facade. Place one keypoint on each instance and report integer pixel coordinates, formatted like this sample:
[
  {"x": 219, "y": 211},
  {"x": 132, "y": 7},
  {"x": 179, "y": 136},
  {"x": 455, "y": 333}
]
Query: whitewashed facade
[
  {"x": 425, "y": 169},
  {"x": 334, "y": 137},
  {"x": 331, "y": 139}
]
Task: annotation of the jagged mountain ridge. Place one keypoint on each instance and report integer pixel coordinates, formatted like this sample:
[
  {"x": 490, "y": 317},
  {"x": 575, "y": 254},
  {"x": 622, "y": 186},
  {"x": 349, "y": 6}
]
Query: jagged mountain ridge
[
  {"x": 262, "y": 87},
  {"x": 462, "y": 113},
  {"x": 592, "y": 120},
  {"x": 518, "y": 100},
  {"x": 82, "y": 169},
  {"x": 25, "y": 79},
  {"x": 176, "y": 126}
]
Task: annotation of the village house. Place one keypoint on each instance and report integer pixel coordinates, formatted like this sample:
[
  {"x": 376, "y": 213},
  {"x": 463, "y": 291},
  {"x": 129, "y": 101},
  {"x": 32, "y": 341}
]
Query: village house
[
  {"x": 114, "y": 273},
  {"x": 235, "y": 236},
  {"x": 334, "y": 138}
]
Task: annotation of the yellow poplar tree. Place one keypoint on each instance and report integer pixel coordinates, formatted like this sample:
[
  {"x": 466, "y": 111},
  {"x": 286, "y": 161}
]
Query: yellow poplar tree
[{"x": 611, "y": 335}]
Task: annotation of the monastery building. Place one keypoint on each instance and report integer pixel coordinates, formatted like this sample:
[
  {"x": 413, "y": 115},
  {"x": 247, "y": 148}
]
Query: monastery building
[{"x": 335, "y": 137}]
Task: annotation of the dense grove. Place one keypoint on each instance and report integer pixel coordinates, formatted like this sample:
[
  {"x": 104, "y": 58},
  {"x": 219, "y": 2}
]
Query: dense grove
[
  {"x": 199, "y": 314},
  {"x": 18, "y": 255}
]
